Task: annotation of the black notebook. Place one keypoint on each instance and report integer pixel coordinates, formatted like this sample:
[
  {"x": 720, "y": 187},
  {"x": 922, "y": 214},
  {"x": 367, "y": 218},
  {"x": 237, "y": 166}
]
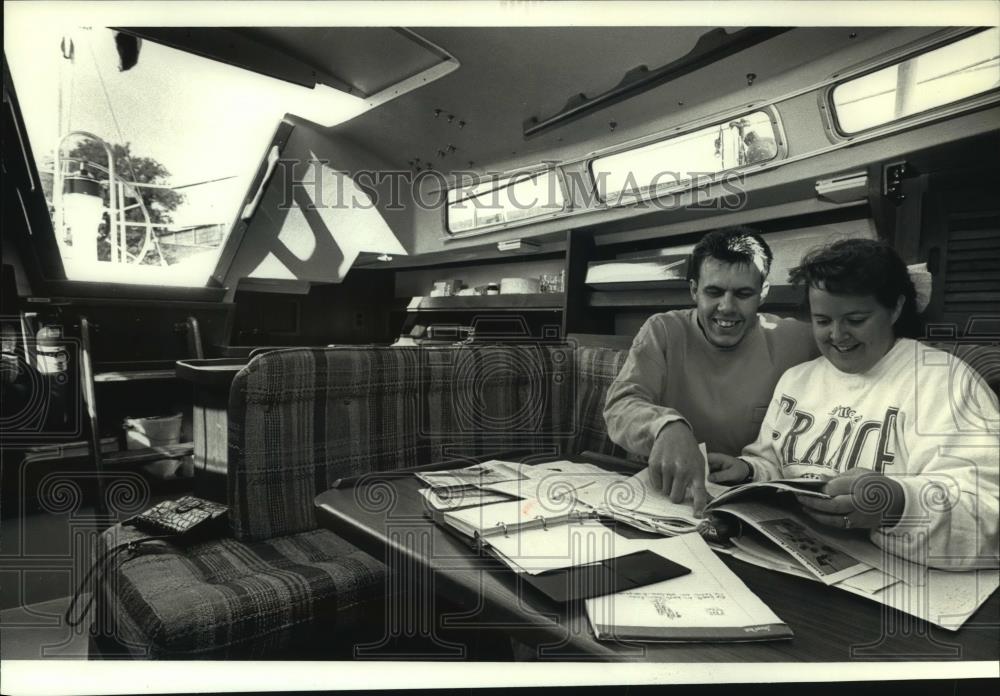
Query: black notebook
[{"x": 605, "y": 577}]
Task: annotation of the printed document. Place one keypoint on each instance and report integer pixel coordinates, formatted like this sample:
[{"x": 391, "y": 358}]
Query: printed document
[{"x": 709, "y": 604}]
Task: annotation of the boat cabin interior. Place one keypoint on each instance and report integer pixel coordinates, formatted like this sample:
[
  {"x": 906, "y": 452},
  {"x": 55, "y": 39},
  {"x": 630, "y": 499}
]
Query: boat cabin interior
[{"x": 184, "y": 203}]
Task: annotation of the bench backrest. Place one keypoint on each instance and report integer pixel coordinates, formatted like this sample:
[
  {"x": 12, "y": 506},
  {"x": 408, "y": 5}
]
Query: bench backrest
[{"x": 301, "y": 418}]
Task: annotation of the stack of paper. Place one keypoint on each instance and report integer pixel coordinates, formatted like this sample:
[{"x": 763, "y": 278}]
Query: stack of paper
[
  {"x": 453, "y": 498},
  {"x": 636, "y": 274},
  {"x": 786, "y": 540},
  {"x": 540, "y": 550},
  {"x": 635, "y": 501},
  {"x": 709, "y": 604},
  {"x": 513, "y": 517},
  {"x": 478, "y": 475},
  {"x": 458, "y": 488},
  {"x": 556, "y": 481}
]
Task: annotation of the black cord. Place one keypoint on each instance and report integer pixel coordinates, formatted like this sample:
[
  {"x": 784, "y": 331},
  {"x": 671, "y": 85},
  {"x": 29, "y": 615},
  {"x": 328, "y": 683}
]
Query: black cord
[{"x": 98, "y": 567}]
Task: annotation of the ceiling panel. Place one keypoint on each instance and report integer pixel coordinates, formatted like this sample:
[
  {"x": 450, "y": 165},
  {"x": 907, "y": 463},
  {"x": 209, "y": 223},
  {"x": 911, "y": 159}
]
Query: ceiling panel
[{"x": 509, "y": 75}]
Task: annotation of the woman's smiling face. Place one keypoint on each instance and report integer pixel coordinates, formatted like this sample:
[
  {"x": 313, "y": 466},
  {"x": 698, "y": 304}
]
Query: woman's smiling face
[{"x": 852, "y": 331}]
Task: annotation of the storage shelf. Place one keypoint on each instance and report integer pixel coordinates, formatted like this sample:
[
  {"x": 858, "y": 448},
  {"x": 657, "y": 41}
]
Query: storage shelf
[
  {"x": 148, "y": 454},
  {"x": 133, "y": 375},
  {"x": 552, "y": 301},
  {"x": 110, "y": 454},
  {"x": 74, "y": 449}
]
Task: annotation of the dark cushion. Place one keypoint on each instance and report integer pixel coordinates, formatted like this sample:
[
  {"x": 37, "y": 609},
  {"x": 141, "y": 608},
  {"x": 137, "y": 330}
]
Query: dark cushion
[{"x": 225, "y": 597}]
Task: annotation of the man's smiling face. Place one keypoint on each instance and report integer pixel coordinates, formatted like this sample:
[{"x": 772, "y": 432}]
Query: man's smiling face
[{"x": 727, "y": 296}]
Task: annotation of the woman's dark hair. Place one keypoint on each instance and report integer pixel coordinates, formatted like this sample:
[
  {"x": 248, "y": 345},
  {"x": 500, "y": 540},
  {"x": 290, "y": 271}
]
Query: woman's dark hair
[
  {"x": 863, "y": 267},
  {"x": 733, "y": 245}
]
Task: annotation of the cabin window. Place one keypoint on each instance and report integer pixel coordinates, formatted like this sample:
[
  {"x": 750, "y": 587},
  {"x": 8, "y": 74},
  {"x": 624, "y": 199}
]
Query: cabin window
[
  {"x": 185, "y": 136},
  {"x": 942, "y": 76},
  {"x": 503, "y": 201},
  {"x": 684, "y": 159}
]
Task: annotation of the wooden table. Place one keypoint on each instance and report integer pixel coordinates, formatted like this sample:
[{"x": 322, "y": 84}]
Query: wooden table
[{"x": 385, "y": 515}]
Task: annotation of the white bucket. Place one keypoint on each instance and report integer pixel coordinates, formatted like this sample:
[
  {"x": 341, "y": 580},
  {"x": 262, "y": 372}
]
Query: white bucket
[{"x": 155, "y": 431}]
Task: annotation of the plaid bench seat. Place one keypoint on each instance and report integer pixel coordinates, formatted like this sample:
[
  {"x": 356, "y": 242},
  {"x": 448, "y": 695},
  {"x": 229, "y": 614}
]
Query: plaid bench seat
[
  {"x": 300, "y": 419},
  {"x": 226, "y": 598}
]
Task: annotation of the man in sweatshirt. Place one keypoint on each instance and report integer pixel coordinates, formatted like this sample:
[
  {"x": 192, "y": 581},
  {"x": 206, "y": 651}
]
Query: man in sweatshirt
[{"x": 705, "y": 374}]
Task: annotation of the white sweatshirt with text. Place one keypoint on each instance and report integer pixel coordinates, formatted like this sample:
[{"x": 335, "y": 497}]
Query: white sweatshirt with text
[{"x": 921, "y": 416}]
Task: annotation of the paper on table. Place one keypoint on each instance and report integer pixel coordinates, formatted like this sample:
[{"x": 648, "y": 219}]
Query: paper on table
[
  {"x": 638, "y": 497},
  {"x": 760, "y": 551},
  {"x": 563, "y": 466},
  {"x": 711, "y": 603},
  {"x": 453, "y": 498},
  {"x": 511, "y": 517},
  {"x": 480, "y": 475},
  {"x": 869, "y": 582},
  {"x": 555, "y": 481},
  {"x": 944, "y": 598},
  {"x": 799, "y": 486},
  {"x": 537, "y": 550}
]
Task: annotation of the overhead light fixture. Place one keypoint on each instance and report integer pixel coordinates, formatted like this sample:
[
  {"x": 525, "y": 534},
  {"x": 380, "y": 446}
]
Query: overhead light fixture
[
  {"x": 518, "y": 246},
  {"x": 847, "y": 188},
  {"x": 384, "y": 257}
]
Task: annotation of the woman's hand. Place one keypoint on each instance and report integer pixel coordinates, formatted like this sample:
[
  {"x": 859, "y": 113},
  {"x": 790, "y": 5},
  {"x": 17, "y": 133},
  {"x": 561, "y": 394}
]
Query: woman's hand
[
  {"x": 726, "y": 470},
  {"x": 859, "y": 499}
]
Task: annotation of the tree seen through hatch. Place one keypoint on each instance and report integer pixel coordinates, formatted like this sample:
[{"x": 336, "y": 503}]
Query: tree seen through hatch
[{"x": 159, "y": 202}]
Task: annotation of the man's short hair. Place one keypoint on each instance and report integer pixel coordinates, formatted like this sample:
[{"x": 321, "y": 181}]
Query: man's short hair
[{"x": 733, "y": 245}]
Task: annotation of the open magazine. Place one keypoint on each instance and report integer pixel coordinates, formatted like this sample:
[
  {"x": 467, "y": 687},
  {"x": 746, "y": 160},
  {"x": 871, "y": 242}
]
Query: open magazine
[{"x": 769, "y": 508}]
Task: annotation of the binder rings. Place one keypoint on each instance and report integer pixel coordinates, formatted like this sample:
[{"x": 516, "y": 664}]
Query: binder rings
[{"x": 513, "y": 516}]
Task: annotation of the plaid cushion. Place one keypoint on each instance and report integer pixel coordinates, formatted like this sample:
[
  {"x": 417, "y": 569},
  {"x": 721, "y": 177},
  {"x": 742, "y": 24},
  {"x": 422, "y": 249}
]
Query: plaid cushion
[
  {"x": 595, "y": 369},
  {"x": 228, "y": 598},
  {"x": 301, "y": 418}
]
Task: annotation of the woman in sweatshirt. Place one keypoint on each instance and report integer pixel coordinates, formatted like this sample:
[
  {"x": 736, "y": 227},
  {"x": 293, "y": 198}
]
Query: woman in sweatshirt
[{"x": 905, "y": 435}]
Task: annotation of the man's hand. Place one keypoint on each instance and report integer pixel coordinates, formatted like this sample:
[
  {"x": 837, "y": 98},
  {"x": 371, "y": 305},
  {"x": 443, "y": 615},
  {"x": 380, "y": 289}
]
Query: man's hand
[
  {"x": 726, "y": 469},
  {"x": 676, "y": 465},
  {"x": 860, "y": 499}
]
